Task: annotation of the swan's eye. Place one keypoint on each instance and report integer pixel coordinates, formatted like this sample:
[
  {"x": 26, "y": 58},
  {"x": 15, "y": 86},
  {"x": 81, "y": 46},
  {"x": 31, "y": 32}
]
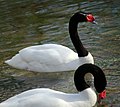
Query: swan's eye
[{"x": 90, "y": 18}]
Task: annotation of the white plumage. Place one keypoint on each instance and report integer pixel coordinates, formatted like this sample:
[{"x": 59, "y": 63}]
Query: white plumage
[
  {"x": 48, "y": 58},
  {"x": 44, "y": 97}
]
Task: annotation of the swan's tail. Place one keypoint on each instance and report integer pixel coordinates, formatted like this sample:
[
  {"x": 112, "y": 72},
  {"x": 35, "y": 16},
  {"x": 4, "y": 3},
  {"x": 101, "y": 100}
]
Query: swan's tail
[
  {"x": 7, "y": 105},
  {"x": 7, "y": 62},
  {"x": 3, "y": 105},
  {"x": 17, "y": 62}
]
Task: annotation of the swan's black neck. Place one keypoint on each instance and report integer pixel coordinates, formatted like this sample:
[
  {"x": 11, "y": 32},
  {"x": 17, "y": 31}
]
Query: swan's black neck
[
  {"x": 99, "y": 77},
  {"x": 73, "y": 24}
]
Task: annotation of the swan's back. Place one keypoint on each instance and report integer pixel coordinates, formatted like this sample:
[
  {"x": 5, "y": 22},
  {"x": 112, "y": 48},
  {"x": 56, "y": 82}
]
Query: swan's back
[
  {"x": 44, "y": 53},
  {"x": 44, "y": 97}
]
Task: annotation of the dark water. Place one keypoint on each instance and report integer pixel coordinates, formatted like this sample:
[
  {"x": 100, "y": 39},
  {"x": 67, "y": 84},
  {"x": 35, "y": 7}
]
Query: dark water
[{"x": 26, "y": 22}]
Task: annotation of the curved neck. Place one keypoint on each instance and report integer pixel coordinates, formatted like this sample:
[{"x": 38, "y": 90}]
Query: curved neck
[
  {"x": 73, "y": 24},
  {"x": 99, "y": 77}
]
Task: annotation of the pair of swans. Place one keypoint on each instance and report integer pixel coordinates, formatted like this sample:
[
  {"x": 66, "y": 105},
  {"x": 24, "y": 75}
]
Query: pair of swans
[{"x": 63, "y": 59}]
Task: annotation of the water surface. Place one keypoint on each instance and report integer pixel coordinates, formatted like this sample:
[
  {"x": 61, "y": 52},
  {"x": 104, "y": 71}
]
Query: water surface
[{"x": 26, "y": 22}]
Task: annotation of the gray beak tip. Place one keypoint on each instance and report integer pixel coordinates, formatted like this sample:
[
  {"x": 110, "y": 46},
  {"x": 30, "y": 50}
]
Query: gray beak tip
[{"x": 94, "y": 22}]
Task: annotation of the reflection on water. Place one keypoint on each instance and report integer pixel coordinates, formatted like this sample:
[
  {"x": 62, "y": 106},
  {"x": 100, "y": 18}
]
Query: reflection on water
[{"x": 26, "y": 22}]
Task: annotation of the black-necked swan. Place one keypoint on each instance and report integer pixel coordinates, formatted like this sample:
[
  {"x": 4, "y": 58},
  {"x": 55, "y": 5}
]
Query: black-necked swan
[
  {"x": 45, "y": 97},
  {"x": 53, "y": 57}
]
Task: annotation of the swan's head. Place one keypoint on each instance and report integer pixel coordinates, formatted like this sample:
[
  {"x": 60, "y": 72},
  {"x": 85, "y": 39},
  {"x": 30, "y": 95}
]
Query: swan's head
[{"x": 86, "y": 17}]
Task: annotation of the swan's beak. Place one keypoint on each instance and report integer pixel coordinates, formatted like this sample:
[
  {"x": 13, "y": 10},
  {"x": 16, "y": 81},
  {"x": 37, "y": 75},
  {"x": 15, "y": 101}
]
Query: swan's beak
[
  {"x": 94, "y": 22},
  {"x": 101, "y": 96}
]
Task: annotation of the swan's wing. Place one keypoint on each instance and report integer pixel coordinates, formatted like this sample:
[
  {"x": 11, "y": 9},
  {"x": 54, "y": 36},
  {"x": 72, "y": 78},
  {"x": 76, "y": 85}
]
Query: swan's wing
[
  {"x": 36, "y": 98},
  {"x": 50, "y": 54},
  {"x": 31, "y": 92},
  {"x": 37, "y": 101},
  {"x": 44, "y": 58}
]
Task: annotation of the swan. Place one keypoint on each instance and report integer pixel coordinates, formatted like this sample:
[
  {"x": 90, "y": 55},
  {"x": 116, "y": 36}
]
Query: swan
[
  {"x": 45, "y": 97},
  {"x": 54, "y": 57}
]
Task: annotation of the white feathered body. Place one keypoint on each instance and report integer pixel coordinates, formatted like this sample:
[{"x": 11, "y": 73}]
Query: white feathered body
[
  {"x": 48, "y": 58},
  {"x": 44, "y": 97}
]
